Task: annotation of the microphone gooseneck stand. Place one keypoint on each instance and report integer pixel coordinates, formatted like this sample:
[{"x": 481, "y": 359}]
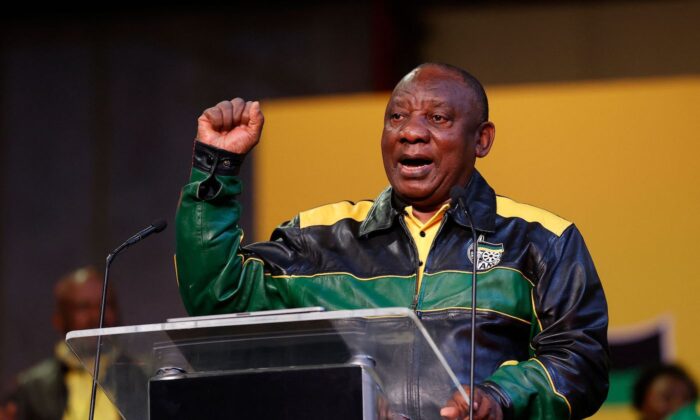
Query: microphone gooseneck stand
[
  {"x": 457, "y": 194},
  {"x": 156, "y": 227}
]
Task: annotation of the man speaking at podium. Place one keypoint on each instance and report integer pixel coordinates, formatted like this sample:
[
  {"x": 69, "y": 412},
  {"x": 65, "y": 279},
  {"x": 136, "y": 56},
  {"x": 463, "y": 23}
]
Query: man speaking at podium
[{"x": 541, "y": 320}]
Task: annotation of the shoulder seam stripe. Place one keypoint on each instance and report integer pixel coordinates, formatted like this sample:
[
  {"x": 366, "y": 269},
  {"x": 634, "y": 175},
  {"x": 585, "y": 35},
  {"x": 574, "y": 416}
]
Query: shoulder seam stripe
[
  {"x": 534, "y": 309},
  {"x": 341, "y": 273},
  {"x": 506, "y": 207},
  {"x": 551, "y": 383},
  {"x": 331, "y": 214},
  {"x": 345, "y": 273}
]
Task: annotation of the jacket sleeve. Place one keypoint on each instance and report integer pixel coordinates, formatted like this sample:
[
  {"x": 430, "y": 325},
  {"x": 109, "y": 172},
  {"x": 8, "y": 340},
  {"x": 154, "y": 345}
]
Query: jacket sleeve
[
  {"x": 215, "y": 273},
  {"x": 567, "y": 374}
]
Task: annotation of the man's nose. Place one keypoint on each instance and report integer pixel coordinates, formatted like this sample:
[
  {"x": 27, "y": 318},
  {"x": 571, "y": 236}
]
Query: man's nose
[{"x": 415, "y": 130}]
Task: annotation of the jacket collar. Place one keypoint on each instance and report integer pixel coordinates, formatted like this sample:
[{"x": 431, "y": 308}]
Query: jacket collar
[
  {"x": 479, "y": 197},
  {"x": 382, "y": 214},
  {"x": 481, "y": 200}
]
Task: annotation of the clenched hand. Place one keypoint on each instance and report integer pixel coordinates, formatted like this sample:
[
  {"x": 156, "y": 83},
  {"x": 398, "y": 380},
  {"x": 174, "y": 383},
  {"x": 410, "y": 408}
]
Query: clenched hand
[{"x": 234, "y": 125}]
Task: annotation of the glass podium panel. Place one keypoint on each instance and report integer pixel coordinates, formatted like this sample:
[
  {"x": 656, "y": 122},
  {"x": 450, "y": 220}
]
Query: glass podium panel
[{"x": 390, "y": 345}]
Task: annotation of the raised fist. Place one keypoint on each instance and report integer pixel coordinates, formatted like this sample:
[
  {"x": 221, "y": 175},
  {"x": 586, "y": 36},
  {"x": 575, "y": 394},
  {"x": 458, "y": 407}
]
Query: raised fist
[{"x": 233, "y": 125}]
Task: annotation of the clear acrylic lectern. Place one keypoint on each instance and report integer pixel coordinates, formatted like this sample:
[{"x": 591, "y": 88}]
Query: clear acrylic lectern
[{"x": 237, "y": 366}]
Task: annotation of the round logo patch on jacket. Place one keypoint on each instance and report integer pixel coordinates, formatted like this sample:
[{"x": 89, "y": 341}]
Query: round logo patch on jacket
[{"x": 489, "y": 255}]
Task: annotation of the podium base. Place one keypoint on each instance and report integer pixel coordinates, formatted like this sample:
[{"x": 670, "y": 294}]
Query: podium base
[{"x": 325, "y": 392}]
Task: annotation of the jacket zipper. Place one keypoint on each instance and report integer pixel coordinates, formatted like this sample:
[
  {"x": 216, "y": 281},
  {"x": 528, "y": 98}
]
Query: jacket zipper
[
  {"x": 416, "y": 262},
  {"x": 412, "y": 391},
  {"x": 416, "y": 298}
]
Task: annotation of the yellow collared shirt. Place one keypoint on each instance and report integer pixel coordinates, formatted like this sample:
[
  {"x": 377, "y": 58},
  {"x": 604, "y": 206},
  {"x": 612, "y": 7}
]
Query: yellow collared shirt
[{"x": 423, "y": 234}]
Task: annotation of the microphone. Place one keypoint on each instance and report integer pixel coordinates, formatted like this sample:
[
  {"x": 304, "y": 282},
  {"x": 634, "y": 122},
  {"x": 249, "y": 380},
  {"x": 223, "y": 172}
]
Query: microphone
[
  {"x": 457, "y": 194},
  {"x": 155, "y": 227}
]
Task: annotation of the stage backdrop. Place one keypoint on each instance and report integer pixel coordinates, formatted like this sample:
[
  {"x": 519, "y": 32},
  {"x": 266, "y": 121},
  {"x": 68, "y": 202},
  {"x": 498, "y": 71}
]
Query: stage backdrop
[{"x": 619, "y": 158}]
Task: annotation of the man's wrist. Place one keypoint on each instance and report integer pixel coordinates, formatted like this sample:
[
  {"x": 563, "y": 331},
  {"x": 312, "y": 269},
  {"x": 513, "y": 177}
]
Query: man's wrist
[
  {"x": 216, "y": 161},
  {"x": 499, "y": 396}
]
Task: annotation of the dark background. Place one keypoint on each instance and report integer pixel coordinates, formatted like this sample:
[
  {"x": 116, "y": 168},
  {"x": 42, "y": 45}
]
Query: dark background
[{"x": 98, "y": 111}]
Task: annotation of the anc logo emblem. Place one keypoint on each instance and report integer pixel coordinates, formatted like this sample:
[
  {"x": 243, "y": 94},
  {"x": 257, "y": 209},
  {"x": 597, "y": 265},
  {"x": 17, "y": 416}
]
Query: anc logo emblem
[{"x": 489, "y": 255}]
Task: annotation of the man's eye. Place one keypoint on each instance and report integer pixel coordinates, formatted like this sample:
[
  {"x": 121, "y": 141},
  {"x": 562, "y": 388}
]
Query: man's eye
[
  {"x": 439, "y": 118},
  {"x": 396, "y": 116}
]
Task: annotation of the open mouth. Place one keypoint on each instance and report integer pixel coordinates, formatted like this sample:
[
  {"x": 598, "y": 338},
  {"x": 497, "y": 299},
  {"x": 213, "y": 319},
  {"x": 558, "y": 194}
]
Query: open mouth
[
  {"x": 415, "y": 162},
  {"x": 415, "y": 167}
]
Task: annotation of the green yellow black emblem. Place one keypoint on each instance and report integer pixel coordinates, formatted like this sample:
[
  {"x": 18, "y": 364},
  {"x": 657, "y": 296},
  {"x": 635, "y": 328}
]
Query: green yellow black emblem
[{"x": 489, "y": 254}]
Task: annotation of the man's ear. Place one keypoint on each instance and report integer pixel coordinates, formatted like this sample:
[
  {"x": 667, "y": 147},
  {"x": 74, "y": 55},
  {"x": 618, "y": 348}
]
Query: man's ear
[{"x": 486, "y": 134}]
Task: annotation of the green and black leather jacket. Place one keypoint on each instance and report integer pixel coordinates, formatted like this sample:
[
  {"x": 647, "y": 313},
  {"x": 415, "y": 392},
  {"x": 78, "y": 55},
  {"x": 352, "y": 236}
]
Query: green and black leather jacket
[{"x": 541, "y": 311}]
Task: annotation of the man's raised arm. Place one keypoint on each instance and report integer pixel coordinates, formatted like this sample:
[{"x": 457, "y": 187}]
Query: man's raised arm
[{"x": 215, "y": 274}]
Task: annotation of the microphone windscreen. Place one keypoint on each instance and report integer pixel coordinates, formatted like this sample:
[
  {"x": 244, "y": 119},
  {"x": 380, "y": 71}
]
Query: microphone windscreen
[{"x": 159, "y": 225}]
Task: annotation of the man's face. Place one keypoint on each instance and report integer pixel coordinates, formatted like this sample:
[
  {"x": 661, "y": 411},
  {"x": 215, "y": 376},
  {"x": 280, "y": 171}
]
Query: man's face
[
  {"x": 79, "y": 307},
  {"x": 430, "y": 131},
  {"x": 665, "y": 395}
]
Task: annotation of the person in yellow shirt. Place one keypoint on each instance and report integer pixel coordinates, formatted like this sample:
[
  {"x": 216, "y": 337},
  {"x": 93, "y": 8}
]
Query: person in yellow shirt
[{"x": 58, "y": 388}]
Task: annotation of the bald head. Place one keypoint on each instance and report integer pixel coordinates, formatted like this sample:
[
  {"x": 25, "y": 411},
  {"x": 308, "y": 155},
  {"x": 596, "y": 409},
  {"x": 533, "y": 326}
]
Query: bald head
[
  {"x": 472, "y": 83},
  {"x": 66, "y": 285}
]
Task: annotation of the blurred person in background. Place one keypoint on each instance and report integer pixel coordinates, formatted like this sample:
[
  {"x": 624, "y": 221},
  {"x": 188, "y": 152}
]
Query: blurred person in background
[
  {"x": 59, "y": 388},
  {"x": 663, "y": 390}
]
